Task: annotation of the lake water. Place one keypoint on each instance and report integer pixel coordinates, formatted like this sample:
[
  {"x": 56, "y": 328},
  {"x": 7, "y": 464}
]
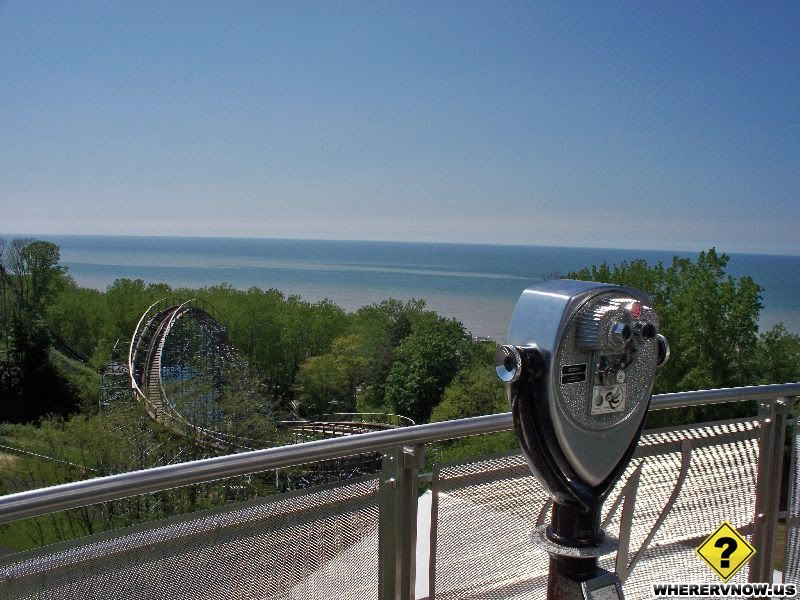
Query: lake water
[{"x": 477, "y": 284}]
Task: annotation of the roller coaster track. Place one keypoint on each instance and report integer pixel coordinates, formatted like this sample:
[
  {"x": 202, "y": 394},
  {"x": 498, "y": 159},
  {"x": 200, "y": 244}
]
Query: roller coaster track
[
  {"x": 145, "y": 354},
  {"x": 144, "y": 368}
]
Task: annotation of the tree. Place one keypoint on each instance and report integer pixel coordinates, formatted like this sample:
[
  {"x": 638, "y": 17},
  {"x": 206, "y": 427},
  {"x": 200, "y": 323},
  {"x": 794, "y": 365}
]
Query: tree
[
  {"x": 30, "y": 384},
  {"x": 711, "y": 322},
  {"x": 709, "y": 318},
  {"x": 255, "y": 327},
  {"x": 81, "y": 317},
  {"x": 424, "y": 364},
  {"x": 36, "y": 270},
  {"x": 330, "y": 382},
  {"x": 382, "y": 327},
  {"x": 247, "y": 416},
  {"x": 127, "y": 299},
  {"x": 474, "y": 391},
  {"x": 778, "y": 356}
]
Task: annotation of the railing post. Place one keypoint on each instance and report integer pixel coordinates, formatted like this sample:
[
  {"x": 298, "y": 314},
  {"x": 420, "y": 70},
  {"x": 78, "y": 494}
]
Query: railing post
[
  {"x": 791, "y": 564},
  {"x": 399, "y": 495},
  {"x": 772, "y": 416}
]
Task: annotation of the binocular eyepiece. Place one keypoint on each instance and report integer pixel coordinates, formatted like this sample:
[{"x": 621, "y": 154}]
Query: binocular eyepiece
[{"x": 508, "y": 363}]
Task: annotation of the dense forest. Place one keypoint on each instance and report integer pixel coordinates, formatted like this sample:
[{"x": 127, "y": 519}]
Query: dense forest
[{"x": 56, "y": 339}]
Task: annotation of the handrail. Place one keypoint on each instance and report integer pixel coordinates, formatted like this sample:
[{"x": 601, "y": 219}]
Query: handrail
[
  {"x": 115, "y": 487},
  {"x": 41, "y": 501},
  {"x": 722, "y": 395},
  {"x": 385, "y": 417}
]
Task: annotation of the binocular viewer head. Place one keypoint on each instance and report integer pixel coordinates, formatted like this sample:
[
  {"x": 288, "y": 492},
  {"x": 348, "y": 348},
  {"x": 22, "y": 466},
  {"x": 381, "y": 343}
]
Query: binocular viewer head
[{"x": 579, "y": 370}]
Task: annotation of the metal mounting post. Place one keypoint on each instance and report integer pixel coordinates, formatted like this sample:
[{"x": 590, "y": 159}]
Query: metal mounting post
[
  {"x": 399, "y": 495},
  {"x": 773, "y": 417},
  {"x": 792, "y": 496}
]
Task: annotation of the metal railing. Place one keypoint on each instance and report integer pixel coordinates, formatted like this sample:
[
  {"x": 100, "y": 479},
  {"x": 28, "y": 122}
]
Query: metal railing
[{"x": 403, "y": 451}]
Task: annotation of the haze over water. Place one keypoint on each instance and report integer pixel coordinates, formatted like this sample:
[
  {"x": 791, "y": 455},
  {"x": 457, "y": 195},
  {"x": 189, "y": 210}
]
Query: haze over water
[{"x": 477, "y": 284}]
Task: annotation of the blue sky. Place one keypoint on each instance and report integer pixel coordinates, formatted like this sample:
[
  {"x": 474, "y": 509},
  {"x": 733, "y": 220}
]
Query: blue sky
[{"x": 648, "y": 125}]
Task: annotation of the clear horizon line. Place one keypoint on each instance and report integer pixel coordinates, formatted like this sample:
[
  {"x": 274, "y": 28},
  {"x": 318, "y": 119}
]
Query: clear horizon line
[{"x": 389, "y": 241}]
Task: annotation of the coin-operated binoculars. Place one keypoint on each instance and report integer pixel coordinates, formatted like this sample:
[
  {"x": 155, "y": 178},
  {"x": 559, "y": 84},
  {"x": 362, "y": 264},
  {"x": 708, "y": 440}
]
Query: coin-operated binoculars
[{"x": 579, "y": 371}]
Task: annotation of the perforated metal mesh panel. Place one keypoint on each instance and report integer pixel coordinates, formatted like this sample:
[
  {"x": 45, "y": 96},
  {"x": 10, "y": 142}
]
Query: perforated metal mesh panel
[
  {"x": 483, "y": 512},
  {"x": 318, "y": 544},
  {"x": 791, "y": 573},
  {"x": 487, "y": 509},
  {"x": 720, "y": 485}
]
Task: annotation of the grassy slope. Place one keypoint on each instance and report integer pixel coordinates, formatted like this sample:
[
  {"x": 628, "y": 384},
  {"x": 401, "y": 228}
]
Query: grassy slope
[
  {"x": 84, "y": 379},
  {"x": 86, "y": 383}
]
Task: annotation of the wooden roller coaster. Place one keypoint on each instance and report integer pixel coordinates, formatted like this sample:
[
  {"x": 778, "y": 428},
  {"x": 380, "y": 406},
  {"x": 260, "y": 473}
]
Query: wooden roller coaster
[{"x": 156, "y": 377}]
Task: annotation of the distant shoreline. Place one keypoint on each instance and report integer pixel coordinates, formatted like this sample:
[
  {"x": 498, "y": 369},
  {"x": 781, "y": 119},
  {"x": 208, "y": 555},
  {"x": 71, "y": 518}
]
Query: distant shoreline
[
  {"x": 681, "y": 252},
  {"x": 475, "y": 283}
]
